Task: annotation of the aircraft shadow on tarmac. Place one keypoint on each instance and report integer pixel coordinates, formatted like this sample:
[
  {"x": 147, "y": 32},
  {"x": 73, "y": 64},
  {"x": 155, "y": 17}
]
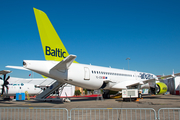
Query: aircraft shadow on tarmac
[
  {"x": 72, "y": 100},
  {"x": 79, "y": 99},
  {"x": 167, "y": 97},
  {"x": 84, "y": 99},
  {"x": 53, "y": 102},
  {"x": 1, "y": 102},
  {"x": 10, "y": 101}
]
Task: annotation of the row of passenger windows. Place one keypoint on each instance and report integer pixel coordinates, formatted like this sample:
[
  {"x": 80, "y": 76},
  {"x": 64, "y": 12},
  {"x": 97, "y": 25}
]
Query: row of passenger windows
[{"x": 110, "y": 73}]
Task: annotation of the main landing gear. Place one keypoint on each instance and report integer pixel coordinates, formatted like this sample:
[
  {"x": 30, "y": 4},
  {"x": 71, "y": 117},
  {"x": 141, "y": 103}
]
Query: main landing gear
[{"x": 106, "y": 94}]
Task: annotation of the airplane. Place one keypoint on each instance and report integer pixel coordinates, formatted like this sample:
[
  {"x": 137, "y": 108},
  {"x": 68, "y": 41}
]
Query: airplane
[
  {"x": 10, "y": 89},
  {"x": 61, "y": 66}
]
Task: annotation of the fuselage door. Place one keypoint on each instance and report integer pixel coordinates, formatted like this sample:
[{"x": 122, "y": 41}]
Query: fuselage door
[{"x": 86, "y": 74}]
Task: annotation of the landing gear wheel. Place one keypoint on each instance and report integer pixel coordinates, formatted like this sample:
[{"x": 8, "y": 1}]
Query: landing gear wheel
[
  {"x": 140, "y": 95},
  {"x": 106, "y": 94}
]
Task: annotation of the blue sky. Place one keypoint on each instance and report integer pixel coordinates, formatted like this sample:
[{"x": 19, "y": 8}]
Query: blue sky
[{"x": 99, "y": 32}]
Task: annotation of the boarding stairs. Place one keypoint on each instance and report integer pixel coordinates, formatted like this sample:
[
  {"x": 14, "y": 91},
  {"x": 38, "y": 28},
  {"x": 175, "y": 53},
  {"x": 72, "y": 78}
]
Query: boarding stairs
[{"x": 43, "y": 96}]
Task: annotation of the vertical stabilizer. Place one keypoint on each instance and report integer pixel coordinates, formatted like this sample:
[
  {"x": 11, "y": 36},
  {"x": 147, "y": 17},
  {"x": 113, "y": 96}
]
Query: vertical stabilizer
[{"x": 52, "y": 45}]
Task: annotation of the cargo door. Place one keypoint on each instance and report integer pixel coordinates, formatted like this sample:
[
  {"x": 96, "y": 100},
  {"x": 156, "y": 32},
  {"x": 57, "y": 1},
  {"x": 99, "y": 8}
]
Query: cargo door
[{"x": 86, "y": 74}]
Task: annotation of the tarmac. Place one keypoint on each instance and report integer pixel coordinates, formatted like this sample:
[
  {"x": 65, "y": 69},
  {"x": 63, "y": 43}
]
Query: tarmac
[{"x": 156, "y": 102}]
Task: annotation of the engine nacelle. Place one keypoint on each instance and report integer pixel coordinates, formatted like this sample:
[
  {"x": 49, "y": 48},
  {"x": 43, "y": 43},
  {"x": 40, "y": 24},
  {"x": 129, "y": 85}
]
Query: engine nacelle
[{"x": 160, "y": 88}]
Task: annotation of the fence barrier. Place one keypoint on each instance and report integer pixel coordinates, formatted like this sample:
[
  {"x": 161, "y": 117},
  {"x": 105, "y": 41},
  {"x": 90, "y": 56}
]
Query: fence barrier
[
  {"x": 169, "y": 114},
  {"x": 113, "y": 114},
  {"x": 17, "y": 113},
  {"x": 31, "y": 113}
]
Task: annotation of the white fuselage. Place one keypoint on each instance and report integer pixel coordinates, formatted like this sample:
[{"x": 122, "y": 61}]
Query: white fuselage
[
  {"x": 20, "y": 88},
  {"x": 89, "y": 76}
]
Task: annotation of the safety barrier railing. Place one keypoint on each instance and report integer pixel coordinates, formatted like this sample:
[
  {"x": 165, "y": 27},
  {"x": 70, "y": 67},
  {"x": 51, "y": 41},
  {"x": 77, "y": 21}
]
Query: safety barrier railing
[
  {"x": 31, "y": 113},
  {"x": 169, "y": 114},
  {"x": 17, "y": 113},
  {"x": 113, "y": 114}
]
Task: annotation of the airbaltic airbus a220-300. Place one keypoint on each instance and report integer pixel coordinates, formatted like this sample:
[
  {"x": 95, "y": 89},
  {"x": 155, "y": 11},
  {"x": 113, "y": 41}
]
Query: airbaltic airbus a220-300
[{"x": 59, "y": 65}]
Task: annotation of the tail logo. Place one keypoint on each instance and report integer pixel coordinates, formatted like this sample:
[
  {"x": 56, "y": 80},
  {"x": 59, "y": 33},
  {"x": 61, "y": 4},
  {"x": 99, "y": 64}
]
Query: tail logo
[{"x": 55, "y": 52}]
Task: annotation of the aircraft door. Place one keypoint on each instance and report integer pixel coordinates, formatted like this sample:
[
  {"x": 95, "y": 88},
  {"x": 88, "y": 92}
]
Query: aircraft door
[{"x": 86, "y": 74}]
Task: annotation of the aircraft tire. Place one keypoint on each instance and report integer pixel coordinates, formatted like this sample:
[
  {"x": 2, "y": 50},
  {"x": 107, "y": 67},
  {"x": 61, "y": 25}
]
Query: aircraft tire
[
  {"x": 140, "y": 95},
  {"x": 106, "y": 94}
]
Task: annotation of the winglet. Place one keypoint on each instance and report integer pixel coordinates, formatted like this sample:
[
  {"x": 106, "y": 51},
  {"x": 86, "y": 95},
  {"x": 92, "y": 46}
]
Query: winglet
[
  {"x": 173, "y": 73},
  {"x": 64, "y": 64}
]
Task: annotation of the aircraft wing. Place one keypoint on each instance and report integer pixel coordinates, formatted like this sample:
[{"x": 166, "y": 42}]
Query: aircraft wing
[
  {"x": 177, "y": 74},
  {"x": 168, "y": 76},
  {"x": 125, "y": 84},
  {"x": 162, "y": 77}
]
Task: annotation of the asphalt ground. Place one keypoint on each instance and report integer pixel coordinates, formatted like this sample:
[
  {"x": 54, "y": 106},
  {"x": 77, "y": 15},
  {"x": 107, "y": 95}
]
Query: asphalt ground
[{"x": 156, "y": 102}]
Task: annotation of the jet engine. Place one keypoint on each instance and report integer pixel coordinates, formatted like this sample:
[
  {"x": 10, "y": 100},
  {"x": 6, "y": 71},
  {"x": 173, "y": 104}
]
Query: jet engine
[{"x": 159, "y": 88}]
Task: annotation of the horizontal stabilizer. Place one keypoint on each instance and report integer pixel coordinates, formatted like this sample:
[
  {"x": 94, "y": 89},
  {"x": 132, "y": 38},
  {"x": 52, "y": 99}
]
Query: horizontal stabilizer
[
  {"x": 65, "y": 63},
  {"x": 17, "y": 67}
]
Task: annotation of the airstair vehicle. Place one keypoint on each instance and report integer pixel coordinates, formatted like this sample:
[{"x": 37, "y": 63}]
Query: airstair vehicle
[{"x": 43, "y": 96}]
